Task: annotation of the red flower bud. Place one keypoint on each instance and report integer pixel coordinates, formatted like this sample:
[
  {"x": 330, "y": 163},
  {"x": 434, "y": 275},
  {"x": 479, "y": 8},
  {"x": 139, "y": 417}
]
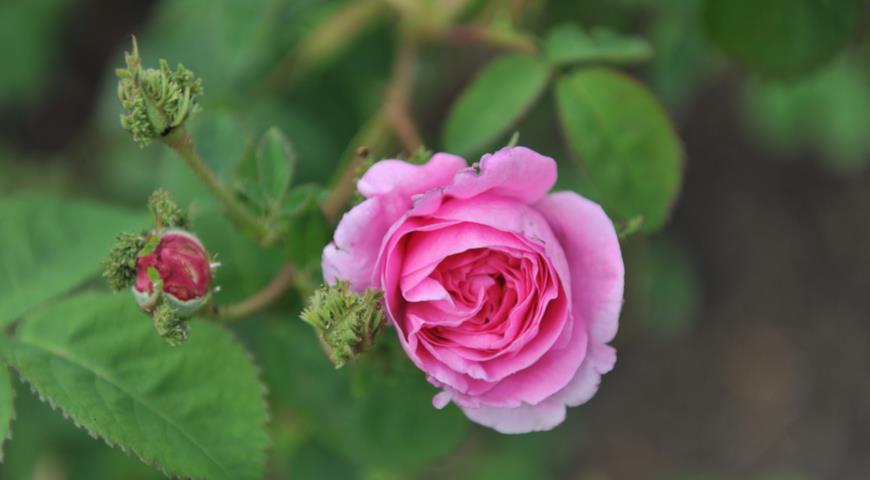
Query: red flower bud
[{"x": 183, "y": 268}]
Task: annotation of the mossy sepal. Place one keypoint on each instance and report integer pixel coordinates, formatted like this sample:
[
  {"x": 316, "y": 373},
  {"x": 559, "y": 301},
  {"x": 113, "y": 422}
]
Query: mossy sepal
[
  {"x": 155, "y": 100},
  {"x": 346, "y": 322}
]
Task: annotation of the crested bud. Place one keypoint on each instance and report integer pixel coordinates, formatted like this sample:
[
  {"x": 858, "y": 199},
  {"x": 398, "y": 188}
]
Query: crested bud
[
  {"x": 346, "y": 322},
  {"x": 155, "y": 100}
]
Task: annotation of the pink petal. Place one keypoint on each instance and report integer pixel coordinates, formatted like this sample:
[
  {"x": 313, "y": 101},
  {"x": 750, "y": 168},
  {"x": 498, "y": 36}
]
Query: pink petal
[
  {"x": 514, "y": 172},
  {"x": 592, "y": 249},
  {"x": 395, "y": 177},
  {"x": 389, "y": 185}
]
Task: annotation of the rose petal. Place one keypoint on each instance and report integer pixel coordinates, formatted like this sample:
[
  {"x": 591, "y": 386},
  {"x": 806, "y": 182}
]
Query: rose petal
[
  {"x": 592, "y": 249},
  {"x": 514, "y": 172}
]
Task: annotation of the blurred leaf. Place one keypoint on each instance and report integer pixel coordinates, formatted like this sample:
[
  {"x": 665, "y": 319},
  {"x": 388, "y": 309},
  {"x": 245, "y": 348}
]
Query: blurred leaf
[
  {"x": 313, "y": 460},
  {"x": 668, "y": 288},
  {"x": 782, "y": 38},
  {"x": 7, "y": 410},
  {"x": 29, "y": 33},
  {"x": 195, "y": 411},
  {"x": 569, "y": 44},
  {"x": 682, "y": 60},
  {"x": 377, "y": 416},
  {"x": 625, "y": 141},
  {"x": 826, "y": 112},
  {"x": 276, "y": 161},
  {"x": 309, "y": 231},
  {"x": 495, "y": 100},
  {"x": 49, "y": 245}
]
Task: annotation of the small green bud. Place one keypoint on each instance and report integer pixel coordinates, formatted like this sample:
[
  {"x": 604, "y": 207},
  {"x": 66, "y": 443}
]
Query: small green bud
[
  {"x": 170, "y": 325},
  {"x": 346, "y": 322},
  {"x": 421, "y": 156},
  {"x": 155, "y": 100},
  {"x": 119, "y": 269},
  {"x": 166, "y": 213}
]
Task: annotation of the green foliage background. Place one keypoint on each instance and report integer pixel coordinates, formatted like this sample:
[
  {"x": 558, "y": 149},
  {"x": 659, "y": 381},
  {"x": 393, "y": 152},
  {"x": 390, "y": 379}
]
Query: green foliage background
[{"x": 598, "y": 94}]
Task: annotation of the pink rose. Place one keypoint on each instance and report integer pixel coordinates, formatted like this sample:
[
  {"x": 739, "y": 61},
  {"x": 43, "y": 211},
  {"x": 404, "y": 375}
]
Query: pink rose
[
  {"x": 504, "y": 295},
  {"x": 183, "y": 267}
]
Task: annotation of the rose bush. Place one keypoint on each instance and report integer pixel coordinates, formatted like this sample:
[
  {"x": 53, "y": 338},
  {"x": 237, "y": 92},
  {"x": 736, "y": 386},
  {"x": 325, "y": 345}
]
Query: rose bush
[{"x": 504, "y": 295}]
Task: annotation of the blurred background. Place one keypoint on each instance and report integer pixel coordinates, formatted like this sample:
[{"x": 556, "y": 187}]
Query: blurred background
[{"x": 745, "y": 334}]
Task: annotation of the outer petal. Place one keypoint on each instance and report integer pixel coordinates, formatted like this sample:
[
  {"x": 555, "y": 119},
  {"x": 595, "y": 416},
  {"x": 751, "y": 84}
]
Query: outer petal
[
  {"x": 352, "y": 254},
  {"x": 389, "y": 186},
  {"x": 551, "y": 412},
  {"x": 395, "y": 177},
  {"x": 515, "y": 172},
  {"x": 592, "y": 249}
]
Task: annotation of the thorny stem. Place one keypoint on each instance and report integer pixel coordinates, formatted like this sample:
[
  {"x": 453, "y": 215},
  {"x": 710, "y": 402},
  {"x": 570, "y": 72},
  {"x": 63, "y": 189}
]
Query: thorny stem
[
  {"x": 179, "y": 139},
  {"x": 282, "y": 282}
]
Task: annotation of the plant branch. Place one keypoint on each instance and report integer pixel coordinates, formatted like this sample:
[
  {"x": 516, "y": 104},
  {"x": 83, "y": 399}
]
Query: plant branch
[
  {"x": 398, "y": 96},
  {"x": 179, "y": 139},
  {"x": 473, "y": 34},
  {"x": 258, "y": 301},
  {"x": 375, "y": 135},
  {"x": 324, "y": 43}
]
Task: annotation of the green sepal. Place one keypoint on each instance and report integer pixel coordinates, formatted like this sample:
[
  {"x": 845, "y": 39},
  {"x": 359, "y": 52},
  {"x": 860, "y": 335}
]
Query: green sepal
[{"x": 346, "y": 322}]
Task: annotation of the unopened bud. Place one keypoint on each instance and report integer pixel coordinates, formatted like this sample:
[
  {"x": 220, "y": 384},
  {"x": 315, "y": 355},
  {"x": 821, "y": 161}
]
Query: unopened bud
[
  {"x": 346, "y": 322},
  {"x": 178, "y": 269},
  {"x": 155, "y": 100}
]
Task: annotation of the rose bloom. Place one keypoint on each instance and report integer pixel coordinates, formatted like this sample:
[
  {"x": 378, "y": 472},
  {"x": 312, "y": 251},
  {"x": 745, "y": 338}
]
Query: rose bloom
[{"x": 504, "y": 295}]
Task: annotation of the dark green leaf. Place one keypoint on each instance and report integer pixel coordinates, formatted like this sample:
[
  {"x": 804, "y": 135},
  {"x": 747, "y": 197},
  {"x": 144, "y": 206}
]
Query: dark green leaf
[
  {"x": 625, "y": 141},
  {"x": 193, "y": 411},
  {"x": 7, "y": 411},
  {"x": 782, "y": 38},
  {"x": 376, "y": 412},
  {"x": 276, "y": 161},
  {"x": 49, "y": 245},
  {"x": 496, "y": 99},
  {"x": 569, "y": 44}
]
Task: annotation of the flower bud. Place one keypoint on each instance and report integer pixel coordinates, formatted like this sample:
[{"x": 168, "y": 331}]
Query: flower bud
[
  {"x": 178, "y": 267},
  {"x": 155, "y": 100},
  {"x": 346, "y": 322}
]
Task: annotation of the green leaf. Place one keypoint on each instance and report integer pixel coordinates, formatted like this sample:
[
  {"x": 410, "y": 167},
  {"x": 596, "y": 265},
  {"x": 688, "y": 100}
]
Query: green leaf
[
  {"x": 782, "y": 38},
  {"x": 825, "y": 112},
  {"x": 49, "y": 245},
  {"x": 376, "y": 412},
  {"x": 569, "y": 44},
  {"x": 195, "y": 411},
  {"x": 7, "y": 410},
  {"x": 276, "y": 161},
  {"x": 625, "y": 141},
  {"x": 495, "y": 100}
]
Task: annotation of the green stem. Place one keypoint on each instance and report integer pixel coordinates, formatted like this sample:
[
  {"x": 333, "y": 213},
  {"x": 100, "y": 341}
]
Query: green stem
[
  {"x": 375, "y": 136},
  {"x": 268, "y": 295},
  {"x": 179, "y": 139}
]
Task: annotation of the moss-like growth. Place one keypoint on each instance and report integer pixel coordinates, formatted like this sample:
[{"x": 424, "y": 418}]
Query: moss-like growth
[
  {"x": 346, "y": 322},
  {"x": 119, "y": 269},
  {"x": 155, "y": 100}
]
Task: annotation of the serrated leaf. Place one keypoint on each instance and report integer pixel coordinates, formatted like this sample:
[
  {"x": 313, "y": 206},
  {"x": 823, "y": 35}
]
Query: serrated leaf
[
  {"x": 49, "y": 245},
  {"x": 782, "y": 38},
  {"x": 194, "y": 411},
  {"x": 624, "y": 140},
  {"x": 276, "y": 161},
  {"x": 570, "y": 44},
  {"x": 7, "y": 408},
  {"x": 376, "y": 415},
  {"x": 495, "y": 100}
]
